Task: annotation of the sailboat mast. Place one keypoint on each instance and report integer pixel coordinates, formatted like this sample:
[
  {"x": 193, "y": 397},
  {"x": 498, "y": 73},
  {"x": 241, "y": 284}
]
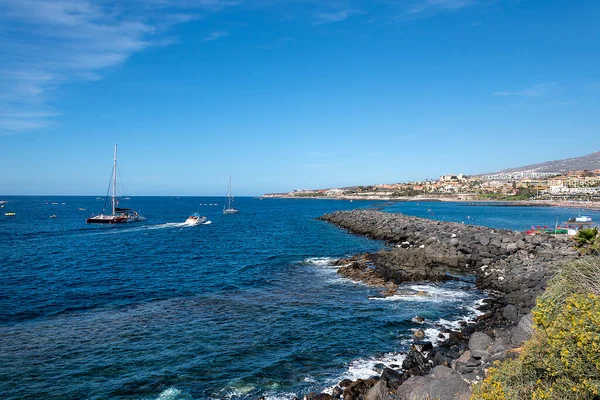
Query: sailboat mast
[
  {"x": 229, "y": 193},
  {"x": 114, "y": 183}
]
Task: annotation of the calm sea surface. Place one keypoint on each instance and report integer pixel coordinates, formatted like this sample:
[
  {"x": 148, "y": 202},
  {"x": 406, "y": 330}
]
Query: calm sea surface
[{"x": 245, "y": 306}]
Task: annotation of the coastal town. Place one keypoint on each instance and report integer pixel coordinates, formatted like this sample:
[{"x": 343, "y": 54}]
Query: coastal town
[{"x": 581, "y": 185}]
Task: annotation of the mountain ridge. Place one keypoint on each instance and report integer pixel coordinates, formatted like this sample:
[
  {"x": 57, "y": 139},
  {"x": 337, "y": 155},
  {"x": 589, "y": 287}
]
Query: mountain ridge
[{"x": 588, "y": 162}]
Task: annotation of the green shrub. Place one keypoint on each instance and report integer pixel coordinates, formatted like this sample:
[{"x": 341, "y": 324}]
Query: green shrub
[
  {"x": 588, "y": 241},
  {"x": 562, "y": 359}
]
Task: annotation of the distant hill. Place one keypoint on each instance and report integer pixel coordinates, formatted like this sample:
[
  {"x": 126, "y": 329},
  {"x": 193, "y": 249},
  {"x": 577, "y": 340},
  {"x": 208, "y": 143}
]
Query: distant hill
[{"x": 589, "y": 162}]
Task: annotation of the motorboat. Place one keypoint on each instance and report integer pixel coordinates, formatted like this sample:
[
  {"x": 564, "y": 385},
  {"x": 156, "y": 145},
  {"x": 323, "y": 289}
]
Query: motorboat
[
  {"x": 575, "y": 224},
  {"x": 195, "y": 219}
]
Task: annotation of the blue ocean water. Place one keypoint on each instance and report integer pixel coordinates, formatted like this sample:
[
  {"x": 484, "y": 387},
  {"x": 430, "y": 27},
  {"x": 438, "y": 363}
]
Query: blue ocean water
[
  {"x": 248, "y": 305},
  {"x": 493, "y": 216}
]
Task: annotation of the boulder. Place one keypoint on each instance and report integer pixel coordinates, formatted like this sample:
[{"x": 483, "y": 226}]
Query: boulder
[
  {"x": 479, "y": 341},
  {"x": 464, "y": 357},
  {"x": 378, "y": 392},
  {"x": 359, "y": 388},
  {"x": 480, "y": 355},
  {"x": 511, "y": 313},
  {"x": 414, "y": 362},
  {"x": 523, "y": 331},
  {"x": 496, "y": 347},
  {"x": 322, "y": 396},
  {"x": 391, "y": 378},
  {"x": 448, "y": 386},
  {"x": 441, "y": 371},
  {"x": 336, "y": 393}
]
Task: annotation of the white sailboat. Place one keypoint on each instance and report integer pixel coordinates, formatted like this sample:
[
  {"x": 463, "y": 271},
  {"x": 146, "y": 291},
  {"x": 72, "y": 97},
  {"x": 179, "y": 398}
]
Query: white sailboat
[
  {"x": 118, "y": 215},
  {"x": 228, "y": 209}
]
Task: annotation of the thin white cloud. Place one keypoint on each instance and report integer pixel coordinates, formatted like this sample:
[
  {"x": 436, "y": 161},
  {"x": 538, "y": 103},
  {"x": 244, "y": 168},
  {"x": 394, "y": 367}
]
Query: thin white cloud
[
  {"x": 216, "y": 35},
  {"x": 48, "y": 43},
  {"x": 334, "y": 16},
  {"x": 422, "y": 8},
  {"x": 533, "y": 91}
]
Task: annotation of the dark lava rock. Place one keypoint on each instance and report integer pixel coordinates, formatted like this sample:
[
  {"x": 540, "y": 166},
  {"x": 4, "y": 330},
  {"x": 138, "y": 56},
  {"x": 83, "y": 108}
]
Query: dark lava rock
[
  {"x": 479, "y": 341},
  {"x": 443, "y": 384},
  {"x": 337, "y": 392},
  {"x": 501, "y": 260},
  {"x": 345, "y": 383},
  {"x": 511, "y": 313},
  {"x": 523, "y": 331},
  {"x": 322, "y": 396},
  {"x": 419, "y": 334},
  {"x": 392, "y": 379},
  {"x": 414, "y": 362},
  {"x": 357, "y": 389}
]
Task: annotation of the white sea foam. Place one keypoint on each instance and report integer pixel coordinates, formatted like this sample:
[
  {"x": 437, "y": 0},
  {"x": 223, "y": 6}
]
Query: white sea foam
[
  {"x": 280, "y": 396},
  {"x": 324, "y": 267},
  {"x": 455, "y": 325},
  {"x": 426, "y": 293},
  {"x": 367, "y": 368},
  {"x": 233, "y": 392},
  {"x": 173, "y": 394},
  {"x": 433, "y": 335},
  {"x": 321, "y": 262},
  {"x": 436, "y": 291}
]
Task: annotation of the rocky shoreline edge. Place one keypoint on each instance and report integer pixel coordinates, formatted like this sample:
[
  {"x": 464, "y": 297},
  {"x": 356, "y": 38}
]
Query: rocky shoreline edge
[{"x": 512, "y": 267}]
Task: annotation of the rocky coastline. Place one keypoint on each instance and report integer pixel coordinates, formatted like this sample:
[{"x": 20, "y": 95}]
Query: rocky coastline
[{"x": 511, "y": 266}]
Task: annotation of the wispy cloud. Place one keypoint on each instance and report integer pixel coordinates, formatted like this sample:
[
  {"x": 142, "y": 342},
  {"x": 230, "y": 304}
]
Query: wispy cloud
[
  {"x": 48, "y": 43},
  {"x": 434, "y": 6},
  {"x": 532, "y": 91},
  {"x": 334, "y": 16},
  {"x": 216, "y": 35}
]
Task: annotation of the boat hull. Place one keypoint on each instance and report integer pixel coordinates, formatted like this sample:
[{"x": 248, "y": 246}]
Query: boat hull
[
  {"x": 109, "y": 219},
  {"x": 230, "y": 211},
  {"x": 193, "y": 221}
]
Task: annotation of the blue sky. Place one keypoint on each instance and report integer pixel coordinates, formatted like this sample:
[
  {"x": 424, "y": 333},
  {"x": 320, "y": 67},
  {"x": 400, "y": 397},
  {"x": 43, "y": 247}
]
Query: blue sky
[{"x": 287, "y": 94}]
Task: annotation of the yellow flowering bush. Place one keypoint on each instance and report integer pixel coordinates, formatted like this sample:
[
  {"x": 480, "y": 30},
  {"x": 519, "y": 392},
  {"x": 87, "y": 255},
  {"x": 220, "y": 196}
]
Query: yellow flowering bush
[{"x": 562, "y": 359}]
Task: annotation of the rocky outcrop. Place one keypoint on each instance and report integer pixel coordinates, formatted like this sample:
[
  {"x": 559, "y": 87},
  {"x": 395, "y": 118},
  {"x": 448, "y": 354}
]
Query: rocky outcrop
[
  {"x": 361, "y": 269},
  {"x": 513, "y": 264},
  {"x": 443, "y": 384}
]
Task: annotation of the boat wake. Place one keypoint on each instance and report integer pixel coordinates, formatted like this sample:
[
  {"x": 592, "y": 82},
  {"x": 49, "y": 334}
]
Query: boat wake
[{"x": 167, "y": 225}]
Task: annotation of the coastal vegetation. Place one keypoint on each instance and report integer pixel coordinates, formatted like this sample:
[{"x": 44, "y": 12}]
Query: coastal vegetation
[
  {"x": 520, "y": 194},
  {"x": 562, "y": 359},
  {"x": 587, "y": 241}
]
